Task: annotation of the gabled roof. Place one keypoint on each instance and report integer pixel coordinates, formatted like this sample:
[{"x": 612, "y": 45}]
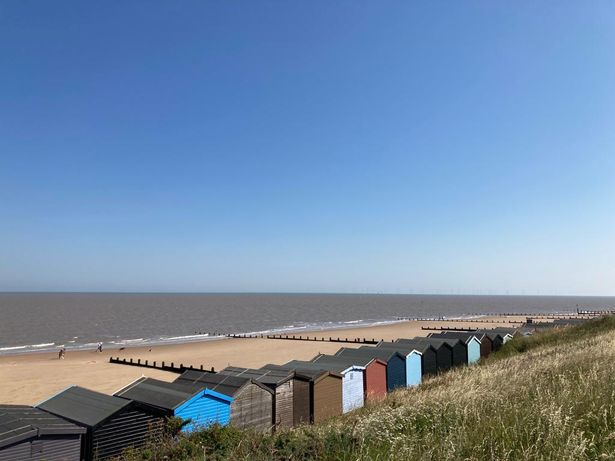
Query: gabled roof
[
  {"x": 369, "y": 351},
  {"x": 21, "y": 422},
  {"x": 303, "y": 373},
  {"x": 264, "y": 376},
  {"x": 223, "y": 384},
  {"x": 339, "y": 367},
  {"x": 490, "y": 334},
  {"x": 356, "y": 361},
  {"x": 463, "y": 336},
  {"x": 83, "y": 406},
  {"x": 157, "y": 393},
  {"x": 407, "y": 346},
  {"x": 436, "y": 343}
]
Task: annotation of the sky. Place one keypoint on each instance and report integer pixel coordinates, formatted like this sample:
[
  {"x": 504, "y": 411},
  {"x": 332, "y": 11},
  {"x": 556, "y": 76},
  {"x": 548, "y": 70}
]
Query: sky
[{"x": 308, "y": 146}]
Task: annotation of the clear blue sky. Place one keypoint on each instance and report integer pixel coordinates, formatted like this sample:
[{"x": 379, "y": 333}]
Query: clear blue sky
[{"x": 435, "y": 147}]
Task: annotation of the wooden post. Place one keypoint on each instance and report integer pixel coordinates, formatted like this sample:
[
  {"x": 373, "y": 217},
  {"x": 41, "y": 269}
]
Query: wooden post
[{"x": 138, "y": 361}]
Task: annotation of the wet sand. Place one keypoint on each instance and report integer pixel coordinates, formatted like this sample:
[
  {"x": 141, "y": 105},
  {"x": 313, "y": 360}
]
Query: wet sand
[{"x": 31, "y": 378}]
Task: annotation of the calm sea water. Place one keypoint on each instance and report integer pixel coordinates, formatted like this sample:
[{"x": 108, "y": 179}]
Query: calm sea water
[{"x": 44, "y": 321}]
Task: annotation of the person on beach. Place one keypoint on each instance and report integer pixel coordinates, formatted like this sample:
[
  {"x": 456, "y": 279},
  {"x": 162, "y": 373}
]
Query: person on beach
[
  {"x": 99, "y": 348},
  {"x": 61, "y": 353}
]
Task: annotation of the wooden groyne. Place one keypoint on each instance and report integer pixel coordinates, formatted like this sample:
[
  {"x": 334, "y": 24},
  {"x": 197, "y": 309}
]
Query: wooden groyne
[
  {"x": 448, "y": 329},
  {"x": 330, "y": 339},
  {"x": 461, "y": 320},
  {"x": 164, "y": 366}
]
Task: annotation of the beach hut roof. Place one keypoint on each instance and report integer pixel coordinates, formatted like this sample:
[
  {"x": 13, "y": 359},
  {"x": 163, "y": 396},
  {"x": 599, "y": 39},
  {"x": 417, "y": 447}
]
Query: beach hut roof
[
  {"x": 407, "y": 346},
  {"x": 462, "y": 336},
  {"x": 357, "y": 361},
  {"x": 369, "y": 351},
  {"x": 338, "y": 367},
  {"x": 433, "y": 341},
  {"x": 83, "y": 406},
  {"x": 264, "y": 376},
  {"x": 224, "y": 384},
  {"x": 20, "y": 422},
  {"x": 155, "y": 392},
  {"x": 303, "y": 373}
]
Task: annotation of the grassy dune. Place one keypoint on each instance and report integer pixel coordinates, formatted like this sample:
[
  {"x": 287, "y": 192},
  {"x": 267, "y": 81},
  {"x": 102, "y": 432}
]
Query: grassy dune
[{"x": 548, "y": 397}]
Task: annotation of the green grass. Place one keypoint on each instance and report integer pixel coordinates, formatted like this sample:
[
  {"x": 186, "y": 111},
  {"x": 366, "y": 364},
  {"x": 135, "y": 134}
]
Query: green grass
[{"x": 547, "y": 397}]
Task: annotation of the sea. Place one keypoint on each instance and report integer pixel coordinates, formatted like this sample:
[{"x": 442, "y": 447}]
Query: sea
[{"x": 37, "y": 322}]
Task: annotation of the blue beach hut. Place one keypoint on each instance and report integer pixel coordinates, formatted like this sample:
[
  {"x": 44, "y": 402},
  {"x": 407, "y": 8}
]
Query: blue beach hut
[
  {"x": 403, "y": 367},
  {"x": 201, "y": 406}
]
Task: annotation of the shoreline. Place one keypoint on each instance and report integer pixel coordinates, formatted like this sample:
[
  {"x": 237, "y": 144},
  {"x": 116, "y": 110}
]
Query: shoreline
[
  {"x": 31, "y": 378},
  {"x": 198, "y": 337}
]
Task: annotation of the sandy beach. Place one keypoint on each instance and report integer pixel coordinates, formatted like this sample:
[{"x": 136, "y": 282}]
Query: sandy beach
[{"x": 31, "y": 378}]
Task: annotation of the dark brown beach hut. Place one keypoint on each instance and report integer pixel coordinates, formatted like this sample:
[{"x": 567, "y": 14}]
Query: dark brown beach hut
[
  {"x": 30, "y": 434},
  {"x": 444, "y": 351},
  {"x": 282, "y": 383},
  {"x": 252, "y": 402},
  {"x": 317, "y": 394},
  {"x": 429, "y": 363},
  {"x": 112, "y": 424},
  {"x": 497, "y": 339},
  {"x": 374, "y": 377}
]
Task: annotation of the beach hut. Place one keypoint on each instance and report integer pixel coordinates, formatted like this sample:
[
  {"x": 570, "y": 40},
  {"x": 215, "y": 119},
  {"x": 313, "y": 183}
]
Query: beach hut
[
  {"x": 509, "y": 333},
  {"x": 374, "y": 374},
  {"x": 444, "y": 351},
  {"x": 429, "y": 365},
  {"x": 460, "y": 353},
  {"x": 30, "y": 434},
  {"x": 281, "y": 382},
  {"x": 469, "y": 340},
  {"x": 352, "y": 380},
  {"x": 317, "y": 394},
  {"x": 401, "y": 367},
  {"x": 112, "y": 424},
  {"x": 251, "y": 403},
  {"x": 497, "y": 339},
  {"x": 486, "y": 344},
  {"x": 202, "y": 407}
]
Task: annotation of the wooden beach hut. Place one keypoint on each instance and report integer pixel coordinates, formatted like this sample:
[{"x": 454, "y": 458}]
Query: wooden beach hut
[
  {"x": 281, "y": 382},
  {"x": 460, "y": 352},
  {"x": 251, "y": 403},
  {"x": 352, "y": 380},
  {"x": 317, "y": 394},
  {"x": 374, "y": 372},
  {"x": 202, "y": 407},
  {"x": 509, "y": 333},
  {"x": 444, "y": 351},
  {"x": 469, "y": 340},
  {"x": 112, "y": 424},
  {"x": 396, "y": 366},
  {"x": 497, "y": 339},
  {"x": 486, "y": 344},
  {"x": 429, "y": 364},
  {"x": 30, "y": 434}
]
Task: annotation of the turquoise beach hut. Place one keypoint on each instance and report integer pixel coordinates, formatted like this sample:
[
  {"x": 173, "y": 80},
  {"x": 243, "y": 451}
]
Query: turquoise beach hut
[{"x": 202, "y": 407}]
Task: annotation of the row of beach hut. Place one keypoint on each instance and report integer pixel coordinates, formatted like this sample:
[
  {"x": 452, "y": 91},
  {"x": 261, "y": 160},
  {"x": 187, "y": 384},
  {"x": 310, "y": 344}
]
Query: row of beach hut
[{"x": 80, "y": 424}]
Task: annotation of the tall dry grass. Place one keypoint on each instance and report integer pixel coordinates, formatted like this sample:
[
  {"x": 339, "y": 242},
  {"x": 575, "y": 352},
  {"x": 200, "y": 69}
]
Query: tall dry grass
[{"x": 551, "y": 397}]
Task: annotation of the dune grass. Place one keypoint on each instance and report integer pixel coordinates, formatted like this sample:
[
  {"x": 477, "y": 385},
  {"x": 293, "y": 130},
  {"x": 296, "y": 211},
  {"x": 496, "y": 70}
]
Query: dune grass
[{"x": 547, "y": 397}]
